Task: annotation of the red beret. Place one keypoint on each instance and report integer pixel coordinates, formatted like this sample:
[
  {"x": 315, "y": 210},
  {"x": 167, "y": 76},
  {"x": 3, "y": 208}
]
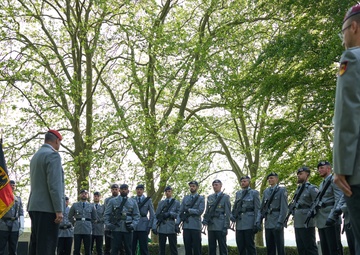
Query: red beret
[
  {"x": 56, "y": 133},
  {"x": 352, "y": 11}
]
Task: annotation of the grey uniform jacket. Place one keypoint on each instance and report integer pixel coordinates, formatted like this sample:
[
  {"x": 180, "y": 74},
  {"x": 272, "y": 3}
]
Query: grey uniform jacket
[
  {"x": 221, "y": 219},
  {"x": 106, "y": 202},
  {"x": 98, "y": 225},
  {"x": 129, "y": 213},
  {"x": 346, "y": 149},
  {"x": 328, "y": 203},
  {"x": 82, "y": 217},
  {"x": 278, "y": 207},
  {"x": 194, "y": 213},
  {"x": 47, "y": 181},
  {"x": 342, "y": 205},
  {"x": 167, "y": 226},
  {"x": 249, "y": 209},
  {"x": 12, "y": 217},
  {"x": 66, "y": 228},
  {"x": 303, "y": 205},
  {"x": 147, "y": 214}
]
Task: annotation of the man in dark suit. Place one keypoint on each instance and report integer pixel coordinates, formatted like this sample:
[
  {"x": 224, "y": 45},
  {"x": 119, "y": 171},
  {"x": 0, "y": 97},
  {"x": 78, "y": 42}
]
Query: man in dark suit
[{"x": 46, "y": 200}]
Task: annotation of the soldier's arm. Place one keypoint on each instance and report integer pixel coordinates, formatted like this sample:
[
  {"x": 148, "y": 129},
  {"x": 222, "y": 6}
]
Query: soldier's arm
[
  {"x": 71, "y": 214},
  {"x": 135, "y": 214},
  {"x": 174, "y": 213},
  {"x": 181, "y": 211},
  {"x": 256, "y": 196},
  {"x": 94, "y": 216},
  {"x": 199, "y": 211},
  {"x": 151, "y": 213},
  {"x": 227, "y": 211},
  {"x": 107, "y": 213},
  {"x": 283, "y": 205},
  {"x": 337, "y": 195}
]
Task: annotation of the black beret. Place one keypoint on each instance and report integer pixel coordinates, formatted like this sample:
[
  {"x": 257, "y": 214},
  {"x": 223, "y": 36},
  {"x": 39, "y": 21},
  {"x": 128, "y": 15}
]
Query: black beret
[
  {"x": 97, "y": 193},
  {"x": 114, "y": 186},
  {"x": 271, "y": 174},
  {"x": 323, "y": 163},
  {"x": 303, "y": 169},
  {"x": 245, "y": 177},
  {"x": 66, "y": 198},
  {"x": 83, "y": 191},
  {"x": 167, "y": 188},
  {"x": 140, "y": 186},
  {"x": 12, "y": 182},
  {"x": 217, "y": 181},
  {"x": 194, "y": 182},
  {"x": 124, "y": 186}
]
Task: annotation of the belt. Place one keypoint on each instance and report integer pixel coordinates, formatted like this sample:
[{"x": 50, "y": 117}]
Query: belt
[
  {"x": 303, "y": 207},
  {"x": 248, "y": 210},
  {"x": 9, "y": 218},
  {"x": 64, "y": 227},
  {"x": 327, "y": 204},
  {"x": 275, "y": 209},
  {"x": 83, "y": 219}
]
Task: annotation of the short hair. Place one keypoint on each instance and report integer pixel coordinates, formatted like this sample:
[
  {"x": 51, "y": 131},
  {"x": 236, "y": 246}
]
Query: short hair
[{"x": 50, "y": 137}]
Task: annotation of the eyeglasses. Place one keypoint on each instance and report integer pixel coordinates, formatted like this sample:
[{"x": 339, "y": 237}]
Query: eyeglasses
[{"x": 341, "y": 34}]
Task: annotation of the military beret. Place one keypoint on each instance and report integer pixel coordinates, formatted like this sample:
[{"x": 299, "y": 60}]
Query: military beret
[
  {"x": 217, "y": 181},
  {"x": 140, "y": 186},
  {"x": 352, "y": 11},
  {"x": 114, "y": 186},
  {"x": 83, "y": 191},
  {"x": 323, "y": 163},
  {"x": 12, "y": 182},
  {"x": 244, "y": 177},
  {"x": 97, "y": 193},
  {"x": 66, "y": 198},
  {"x": 124, "y": 186},
  {"x": 56, "y": 133},
  {"x": 303, "y": 169},
  {"x": 194, "y": 182},
  {"x": 271, "y": 174},
  {"x": 167, "y": 188}
]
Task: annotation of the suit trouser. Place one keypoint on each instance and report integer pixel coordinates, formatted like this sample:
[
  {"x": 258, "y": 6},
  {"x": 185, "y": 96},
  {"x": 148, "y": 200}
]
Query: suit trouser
[
  {"x": 44, "y": 233},
  {"x": 330, "y": 240},
  {"x": 353, "y": 206},
  {"x": 350, "y": 238},
  {"x": 86, "y": 239},
  {"x": 121, "y": 239},
  {"x": 64, "y": 245},
  {"x": 9, "y": 238},
  {"x": 99, "y": 240},
  {"x": 306, "y": 241},
  {"x": 220, "y": 237},
  {"x": 192, "y": 241},
  {"x": 142, "y": 237},
  {"x": 107, "y": 247},
  {"x": 172, "y": 243},
  {"x": 274, "y": 241},
  {"x": 245, "y": 242}
]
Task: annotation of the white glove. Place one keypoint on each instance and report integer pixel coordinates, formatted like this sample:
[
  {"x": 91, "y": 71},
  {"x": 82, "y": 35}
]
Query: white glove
[{"x": 21, "y": 229}]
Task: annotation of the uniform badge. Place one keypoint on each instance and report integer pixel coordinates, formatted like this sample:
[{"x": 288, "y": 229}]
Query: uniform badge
[{"x": 342, "y": 67}]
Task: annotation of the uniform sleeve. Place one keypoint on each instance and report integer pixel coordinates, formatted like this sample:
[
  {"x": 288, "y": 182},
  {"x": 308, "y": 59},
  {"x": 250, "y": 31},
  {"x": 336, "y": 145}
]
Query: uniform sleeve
[
  {"x": 135, "y": 214},
  {"x": 54, "y": 174},
  {"x": 175, "y": 211},
  {"x": 151, "y": 213},
  {"x": 283, "y": 205},
  {"x": 256, "y": 202},
  {"x": 181, "y": 211},
  {"x": 21, "y": 209},
  {"x": 259, "y": 219},
  {"x": 337, "y": 195},
  {"x": 107, "y": 212},
  {"x": 227, "y": 211},
  {"x": 347, "y": 115},
  {"x": 94, "y": 215},
  {"x": 71, "y": 214}
]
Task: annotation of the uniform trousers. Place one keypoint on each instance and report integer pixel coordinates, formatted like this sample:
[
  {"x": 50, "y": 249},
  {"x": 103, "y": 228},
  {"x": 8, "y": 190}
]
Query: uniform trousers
[
  {"x": 192, "y": 241},
  {"x": 142, "y": 238},
  {"x": 220, "y": 238},
  {"x": 350, "y": 238},
  {"x": 172, "y": 243},
  {"x": 306, "y": 241},
  {"x": 86, "y": 239},
  {"x": 107, "y": 246},
  {"x": 64, "y": 245},
  {"x": 98, "y": 240},
  {"x": 354, "y": 209},
  {"x": 121, "y": 240},
  {"x": 245, "y": 242},
  {"x": 330, "y": 240},
  {"x": 44, "y": 233},
  {"x": 274, "y": 241},
  {"x": 9, "y": 238}
]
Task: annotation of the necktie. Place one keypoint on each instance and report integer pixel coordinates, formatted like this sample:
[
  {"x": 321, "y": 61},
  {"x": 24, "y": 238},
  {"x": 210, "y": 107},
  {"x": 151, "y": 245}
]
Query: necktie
[
  {"x": 83, "y": 204},
  {"x": 96, "y": 206},
  {"x": 168, "y": 201},
  {"x": 139, "y": 200}
]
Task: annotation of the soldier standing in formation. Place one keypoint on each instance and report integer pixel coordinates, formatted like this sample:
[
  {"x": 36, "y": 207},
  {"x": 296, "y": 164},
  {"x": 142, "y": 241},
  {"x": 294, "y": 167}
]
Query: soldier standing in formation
[
  {"x": 114, "y": 193},
  {"x": 191, "y": 209},
  {"x": 244, "y": 214},
  {"x": 217, "y": 218},
  {"x": 82, "y": 214},
  {"x": 12, "y": 225},
  {"x": 275, "y": 198},
  {"x": 147, "y": 215},
  {"x": 66, "y": 232},
  {"x": 305, "y": 237},
  {"x": 164, "y": 223},
  {"x": 98, "y": 225},
  {"x": 121, "y": 217}
]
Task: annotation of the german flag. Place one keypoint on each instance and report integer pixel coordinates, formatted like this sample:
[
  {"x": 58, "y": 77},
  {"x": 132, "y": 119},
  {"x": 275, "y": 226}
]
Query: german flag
[{"x": 6, "y": 193}]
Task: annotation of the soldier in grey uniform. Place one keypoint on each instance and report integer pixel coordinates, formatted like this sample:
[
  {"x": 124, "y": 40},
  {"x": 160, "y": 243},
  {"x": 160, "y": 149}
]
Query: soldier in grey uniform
[
  {"x": 217, "y": 219},
  {"x": 82, "y": 214},
  {"x": 328, "y": 225},
  {"x": 66, "y": 232},
  {"x": 244, "y": 213},
  {"x": 12, "y": 225},
  {"x": 305, "y": 237},
  {"x": 115, "y": 191},
  {"x": 164, "y": 223},
  {"x": 191, "y": 209},
  {"x": 121, "y": 217},
  {"x": 346, "y": 147},
  {"x": 98, "y": 225},
  {"x": 147, "y": 215},
  {"x": 274, "y": 227}
]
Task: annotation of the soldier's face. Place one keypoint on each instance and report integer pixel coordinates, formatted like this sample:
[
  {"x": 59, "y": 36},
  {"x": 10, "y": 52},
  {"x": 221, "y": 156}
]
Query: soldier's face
[
  {"x": 124, "y": 192},
  {"x": 168, "y": 193},
  {"x": 193, "y": 188},
  {"x": 84, "y": 196},
  {"x": 66, "y": 202},
  {"x": 115, "y": 192},
  {"x": 96, "y": 198},
  {"x": 272, "y": 180},
  {"x": 302, "y": 177},
  {"x": 245, "y": 183},
  {"x": 324, "y": 171},
  {"x": 217, "y": 187},
  {"x": 139, "y": 192},
  {"x": 13, "y": 186}
]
